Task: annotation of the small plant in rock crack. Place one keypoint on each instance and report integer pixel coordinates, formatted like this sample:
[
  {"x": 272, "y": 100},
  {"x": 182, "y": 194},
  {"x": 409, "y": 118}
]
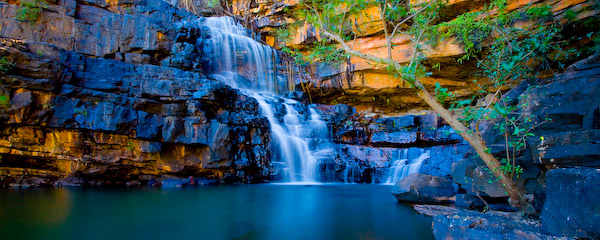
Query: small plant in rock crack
[
  {"x": 4, "y": 102},
  {"x": 30, "y": 10},
  {"x": 130, "y": 145},
  {"x": 81, "y": 111},
  {"x": 6, "y": 64},
  {"x": 47, "y": 106}
]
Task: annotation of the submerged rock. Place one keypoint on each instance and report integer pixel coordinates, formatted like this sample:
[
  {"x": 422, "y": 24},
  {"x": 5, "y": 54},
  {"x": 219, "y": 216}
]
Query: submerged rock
[{"x": 422, "y": 188}]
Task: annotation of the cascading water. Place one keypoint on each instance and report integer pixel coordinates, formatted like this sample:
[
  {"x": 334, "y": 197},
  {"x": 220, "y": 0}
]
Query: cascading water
[
  {"x": 402, "y": 167},
  {"x": 300, "y": 140}
]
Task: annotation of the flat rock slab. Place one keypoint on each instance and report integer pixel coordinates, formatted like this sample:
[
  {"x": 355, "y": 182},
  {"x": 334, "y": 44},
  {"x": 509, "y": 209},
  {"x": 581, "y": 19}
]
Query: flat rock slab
[
  {"x": 435, "y": 210},
  {"x": 467, "y": 224}
]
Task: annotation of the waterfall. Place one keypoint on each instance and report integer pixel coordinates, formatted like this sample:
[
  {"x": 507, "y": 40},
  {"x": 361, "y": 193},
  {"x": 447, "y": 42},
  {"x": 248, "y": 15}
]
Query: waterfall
[
  {"x": 300, "y": 138},
  {"x": 403, "y": 167}
]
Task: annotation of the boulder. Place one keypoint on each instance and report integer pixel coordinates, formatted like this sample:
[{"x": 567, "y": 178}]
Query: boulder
[
  {"x": 572, "y": 208},
  {"x": 468, "y": 202},
  {"x": 422, "y": 188}
]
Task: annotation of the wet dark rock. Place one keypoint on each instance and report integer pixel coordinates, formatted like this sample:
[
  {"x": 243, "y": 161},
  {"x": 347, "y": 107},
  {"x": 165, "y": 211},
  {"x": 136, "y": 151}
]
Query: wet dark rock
[
  {"x": 570, "y": 100},
  {"x": 21, "y": 100},
  {"x": 445, "y": 134},
  {"x": 351, "y": 135},
  {"x": 572, "y": 208},
  {"x": 421, "y": 188},
  {"x": 468, "y": 202},
  {"x": 486, "y": 183},
  {"x": 435, "y": 210},
  {"x": 175, "y": 182},
  {"x": 149, "y": 126},
  {"x": 150, "y": 147},
  {"x": 441, "y": 158},
  {"x": 430, "y": 121},
  {"x": 335, "y": 114},
  {"x": 393, "y": 138},
  {"x": 573, "y": 155},
  {"x": 466, "y": 224},
  {"x": 397, "y": 123}
]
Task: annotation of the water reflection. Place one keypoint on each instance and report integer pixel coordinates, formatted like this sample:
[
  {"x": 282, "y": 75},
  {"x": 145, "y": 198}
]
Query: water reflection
[
  {"x": 214, "y": 212},
  {"x": 32, "y": 211}
]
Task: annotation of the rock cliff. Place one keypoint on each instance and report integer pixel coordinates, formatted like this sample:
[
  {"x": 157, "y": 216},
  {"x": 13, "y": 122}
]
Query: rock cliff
[{"x": 87, "y": 101}]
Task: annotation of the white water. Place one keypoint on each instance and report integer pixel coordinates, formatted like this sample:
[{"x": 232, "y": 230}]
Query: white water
[
  {"x": 300, "y": 141},
  {"x": 404, "y": 167}
]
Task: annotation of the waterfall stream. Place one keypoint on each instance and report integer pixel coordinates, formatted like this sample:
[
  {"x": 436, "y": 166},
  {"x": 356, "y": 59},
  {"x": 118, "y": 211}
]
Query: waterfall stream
[
  {"x": 300, "y": 138},
  {"x": 404, "y": 166}
]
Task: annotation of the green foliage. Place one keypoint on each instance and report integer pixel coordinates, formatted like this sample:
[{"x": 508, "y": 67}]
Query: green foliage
[
  {"x": 130, "y": 145},
  {"x": 570, "y": 14},
  {"x": 284, "y": 33},
  {"x": 6, "y": 65},
  {"x": 128, "y": 10},
  {"x": 332, "y": 15},
  {"x": 213, "y": 4},
  {"x": 30, "y": 10},
  {"x": 506, "y": 55},
  {"x": 47, "y": 106},
  {"x": 298, "y": 57},
  {"x": 595, "y": 49},
  {"x": 320, "y": 51},
  {"x": 395, "y": 9},
  {"x": 81, "y": 111},
  {"x": 541, "y": 11},
  {"x": 4, "y": 102},
  {"x": 442, "y": 94}
]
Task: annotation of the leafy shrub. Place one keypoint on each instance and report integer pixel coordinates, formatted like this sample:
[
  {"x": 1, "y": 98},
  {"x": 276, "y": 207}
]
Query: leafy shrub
[
  {"x": 4, "y": 101},
  {"x": 5, "y": 65},
  {"x": 30, "y": 10}
]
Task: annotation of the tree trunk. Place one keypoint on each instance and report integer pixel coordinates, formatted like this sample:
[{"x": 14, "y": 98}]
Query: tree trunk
[{"x": 479, "y": 145}]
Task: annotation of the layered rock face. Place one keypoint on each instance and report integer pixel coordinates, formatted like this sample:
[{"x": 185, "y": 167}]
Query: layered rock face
[
  {"x": 375, "y": 149},
  {"x": 371, "y": 88},
  {"x": 89, "y": 104}
]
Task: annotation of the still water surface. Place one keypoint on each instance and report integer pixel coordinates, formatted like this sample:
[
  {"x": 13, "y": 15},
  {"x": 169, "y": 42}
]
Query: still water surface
[{"x": 266, "y": 211}]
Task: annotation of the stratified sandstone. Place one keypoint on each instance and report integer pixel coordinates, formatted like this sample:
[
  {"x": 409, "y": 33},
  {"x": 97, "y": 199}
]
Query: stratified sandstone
[{"x": 371, "y": 88}]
